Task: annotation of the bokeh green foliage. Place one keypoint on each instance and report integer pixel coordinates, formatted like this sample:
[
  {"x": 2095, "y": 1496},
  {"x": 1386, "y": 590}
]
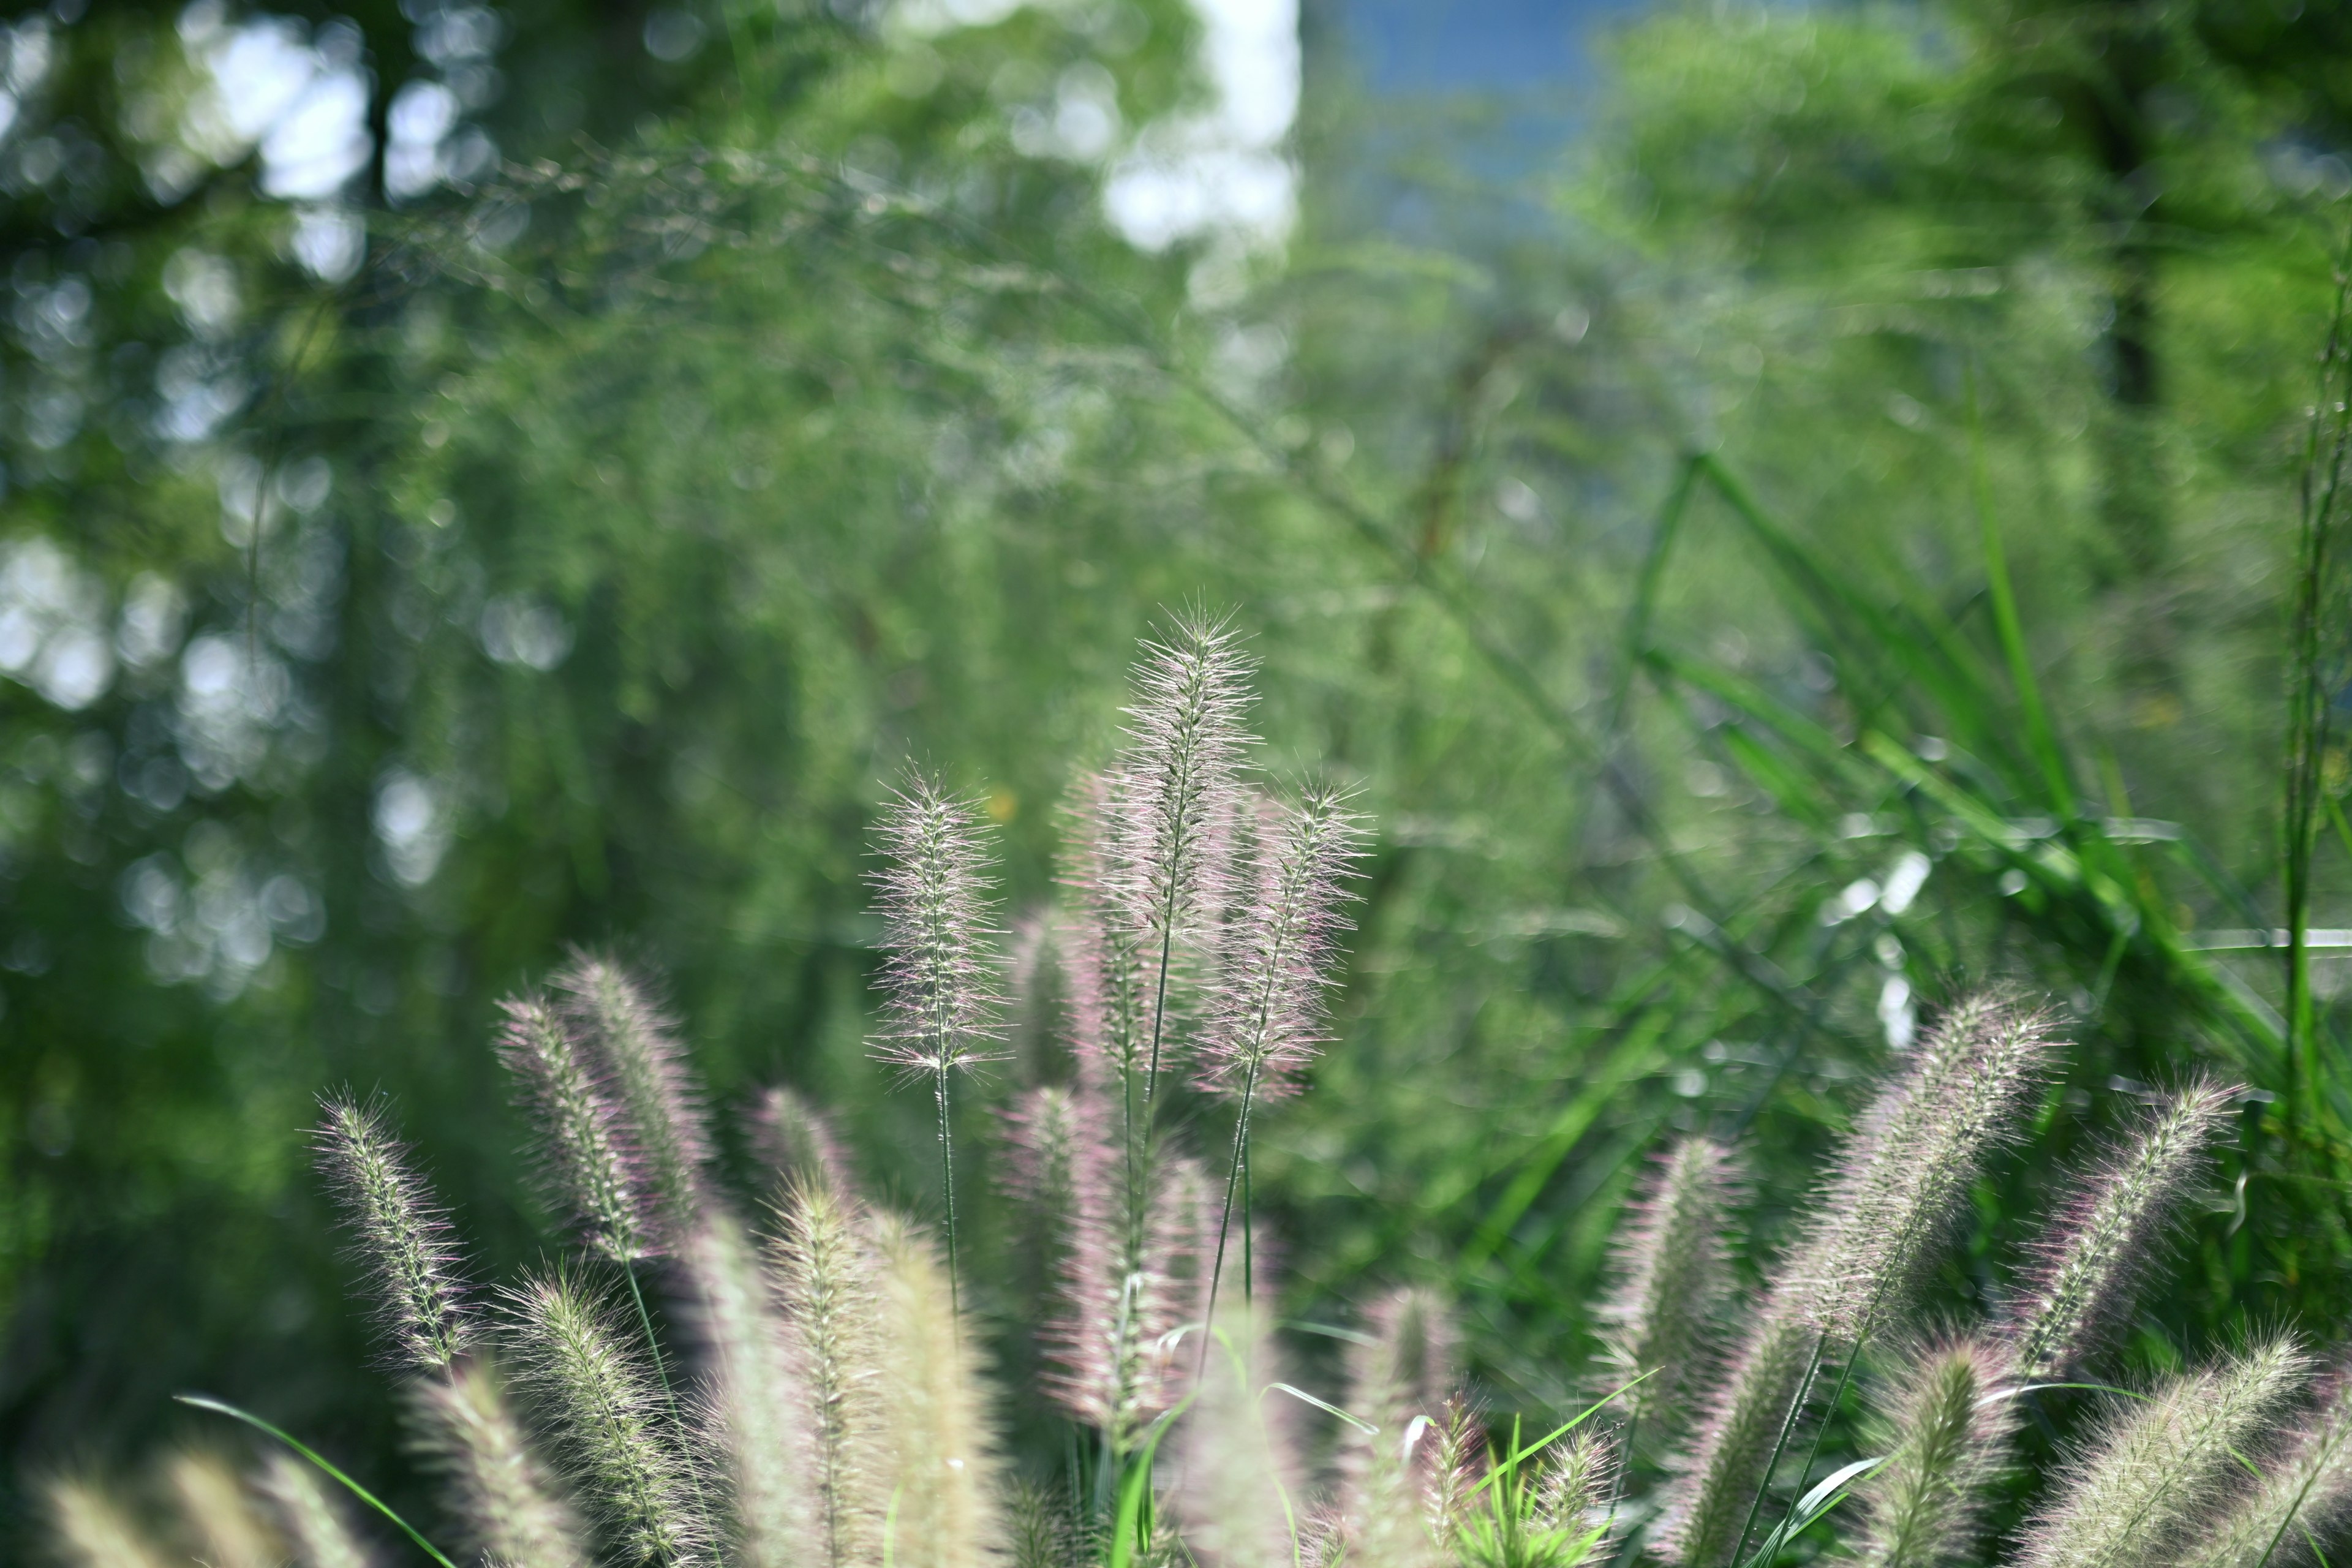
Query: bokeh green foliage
[{"x": 1634, "y": 559}]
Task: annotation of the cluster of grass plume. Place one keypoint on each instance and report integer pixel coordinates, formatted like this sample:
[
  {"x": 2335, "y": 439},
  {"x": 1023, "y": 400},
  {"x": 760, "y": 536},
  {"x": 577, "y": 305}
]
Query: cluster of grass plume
[{"x": 824, "y": 1399}]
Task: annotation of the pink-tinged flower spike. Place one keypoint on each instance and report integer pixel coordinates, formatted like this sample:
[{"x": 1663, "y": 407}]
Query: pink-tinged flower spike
[
  {"x": 641, "y": 1066},
  {"x": 1126, "y": 1286},
  {"x": 1673, "y": 1278},
  {"x": 1268, "y": 1014},
  {"x": 795, "y": 1142},
  {"x": 579, "y": 1141},
  {"x": 399, "y": 1234},
  {"x": 1177, "y": 780},
  {"x": 2114, "y": 1232},
  {"x": 1397, "y": 1387},
  {"x": 940, "y": 979},
  {"x": 2167, "y": 1467}
]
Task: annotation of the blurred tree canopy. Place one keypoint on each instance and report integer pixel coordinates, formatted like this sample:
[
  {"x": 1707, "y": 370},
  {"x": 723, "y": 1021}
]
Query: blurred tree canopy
[{"x": 480, "y": 480}]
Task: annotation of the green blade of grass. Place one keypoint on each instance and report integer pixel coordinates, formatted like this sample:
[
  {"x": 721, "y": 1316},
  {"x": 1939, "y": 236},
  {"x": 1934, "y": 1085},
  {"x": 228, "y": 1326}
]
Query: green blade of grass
[{"x": 221, "y": 1408}]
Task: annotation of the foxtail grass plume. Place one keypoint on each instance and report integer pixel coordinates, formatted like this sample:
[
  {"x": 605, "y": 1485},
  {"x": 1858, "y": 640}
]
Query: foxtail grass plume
[
  {"x": 399, "y": 1234},
  {"x": 2102, "y": 1246},
  {"x": 1673, "y": 1280},
  {"x": 2303, "y": 1504},
  {"x": 218, "y": 1509},
  {"x": 1575, "y": 1490},
  {"x": 1177, "y": 778},
  {"x": 940, "y": 979},
  {"x": 623, "y": 1458},
  {"x": 825, "y": 1273},
  {"x": 2167, "y": 1469},
  {"x": 761, "y": 1420},
  {"x": 1907, "y": 1175},
  {"x": 510, "y": 1510},
  {"x": 1240, "y": 1486},
  {"x": 89, "y": 1527},
  {"x": 939, "y": 1459},
  {"x": 794, "y": 1141},
  {"x": 1039, "y": 1526},
  {"x": 1129, "y": 1289},
  {"x": 1397, "y": 1387},
  {"x": 1946, "y": 1429},
  {"x": 1108, "y": 1002},
  {"x": 1456, "y": 1466},
  {"x": 642, "y": 1070},
  {"x": 1266, "y": 1019},
  {"x": 1042, "y": 1136},
  {"x": 311, "y": 1518},
  {"x": 1902, "y": 1177},
  {"x": 582, "y": 1164}
]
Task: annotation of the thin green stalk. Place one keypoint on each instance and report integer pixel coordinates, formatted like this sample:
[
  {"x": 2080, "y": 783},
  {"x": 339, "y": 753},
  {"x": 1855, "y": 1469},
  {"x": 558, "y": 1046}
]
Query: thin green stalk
[
  {"x": 219, "y": 1406},
  {"x": 670, "y": 1395},
  {"x": 1780, "y": 1443},
  {"x": 947, "y": 1184},
  {"x": 1233, "y": 1180}
]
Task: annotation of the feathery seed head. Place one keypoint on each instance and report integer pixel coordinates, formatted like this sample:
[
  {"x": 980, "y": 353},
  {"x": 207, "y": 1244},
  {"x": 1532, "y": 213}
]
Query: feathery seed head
[
  {"x": 1042, "y": 1535},
  {"x": 582, "y": 1161},
  {"x": 622, "y": 1455},
  {"x": 940, "y": 977},
  {"x": 510, "y": 1508},
  {"x": 1906, "y": 1174},
  {"x": 1238, "y": 1466},
  {"x": 1673, "y": 1280},
  {"x": 1945, "y": 1434},
  {"x": 1266, "y": 1015},
  {"x": 1575, "y": 1486},
  {"x": 1397, "y": 1385},
  {"x": 641, "y": 1063},
  {"x": 1128, "y": 1287},
  {"x": 823, "y": 1269},
  {"x": 940, "y": 1463},
  {"x": 2303, "y": 1502},
  {"x": 795, "y": 1141},
  {"x": 399, "y": 1235},
  {"x": 1179, "y": 770},
  {"x": 312, "y": 1520},
  {"x": 1042, "y": 1137},
  {"x": 1103, "y": 950},
  {"x": 1708, "y": 1505},
  {"x": 761, "y": 1422},
  {"x": 227, "y": 1530},
  {"x": 89, "y": 1527},
  {"x": 2113, "y": 1232},
  {"x": 2166, "y": 1468}
]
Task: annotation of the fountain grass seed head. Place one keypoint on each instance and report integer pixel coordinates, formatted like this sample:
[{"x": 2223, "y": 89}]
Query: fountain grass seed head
[
  {"x": 399, "y": 1234},
  {"x": 311, "y": 1519},
  {"x": 1945, "y": 1433},
  {"x": 642, "y": 1067},
  {"x": 1672, "y": 1266},
  {"x": 823, "y": 1267},
  {"x": 510, "y": 1510},
  {"x": 582, "y": 1162}
]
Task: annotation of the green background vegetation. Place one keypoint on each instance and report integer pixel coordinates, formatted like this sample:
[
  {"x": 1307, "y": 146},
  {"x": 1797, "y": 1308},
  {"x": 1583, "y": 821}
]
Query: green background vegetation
[{"x": 1875, "y": 434}]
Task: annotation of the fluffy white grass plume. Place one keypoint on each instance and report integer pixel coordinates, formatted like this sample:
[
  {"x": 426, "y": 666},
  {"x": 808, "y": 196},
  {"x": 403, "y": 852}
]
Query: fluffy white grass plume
[
  {"x": 939, "y": 1462},
  {"x": 1177, "y": 781},
  {"x": 1109, "y": 999},
  {"x": 582, "y": 1161},
  {"x": 641, "y": 1066},
  {"x": 312, "y": 1520},
  {"x": 1266, "y": 1019},
  {"x": 794, "y": 1141},
  {"x": 1397, "y": 1385},
  {"x": 940, "y": 981},
  {"x": 622, "y": 1455},
  {"x": 218, "y": 1510},
  {"x": 509, "y": 1509},
  {"x": 759, "y": 1419},
  {"x": 1673, "y": 1278},
  {"x": 88, "y": 1528},
  {"x": 2303, "y": 1503},
  {"x": 1239, "y": 1497},
  {"x": 2113, "y": 1232},
  {"x": 1127, "y": 1288},
  {"x": 1903, "y": 1175},
  {"x": 824, "y": 1271},
  {"x": 1946, "y": 1432},
  {"x": 2166, "y": 1468},
  {"x": 400, "y": 1235}
]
